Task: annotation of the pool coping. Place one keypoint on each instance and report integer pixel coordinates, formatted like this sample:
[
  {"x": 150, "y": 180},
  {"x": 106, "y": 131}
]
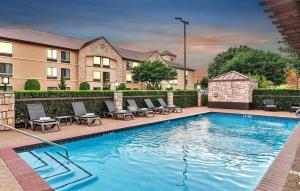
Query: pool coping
[{"x": 274, "y": 178}]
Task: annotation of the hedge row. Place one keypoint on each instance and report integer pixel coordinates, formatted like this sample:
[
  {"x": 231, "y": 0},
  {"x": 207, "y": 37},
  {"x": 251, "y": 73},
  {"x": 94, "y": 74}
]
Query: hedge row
[
  {"x": 61, "y": 107},
  {"x": 93, "y": 100},
  {"x": 283, "y": 97}
]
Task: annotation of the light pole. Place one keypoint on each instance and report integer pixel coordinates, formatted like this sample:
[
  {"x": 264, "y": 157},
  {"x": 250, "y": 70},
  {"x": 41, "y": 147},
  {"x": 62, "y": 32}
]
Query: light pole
[
  {"x": 116, "y": 83},
  {"x": 184, "y": 26}
]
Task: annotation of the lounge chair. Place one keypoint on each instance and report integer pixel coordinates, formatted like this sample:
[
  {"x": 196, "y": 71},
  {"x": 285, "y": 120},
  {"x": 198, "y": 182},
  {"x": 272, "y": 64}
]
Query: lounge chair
[
  {"x": 132, "y": 107},
  {"x": 113, "y": 112},
  {"x": 81, "y": 115},
  {"x": 38, "y": 117},
  {"x": 172, "y": 108},
  {"x": 150, "y": 105},
  {"x": 294, "y": 107},
  {"x": 298, "y": 113},
  {"x": 270, "y": 105}
]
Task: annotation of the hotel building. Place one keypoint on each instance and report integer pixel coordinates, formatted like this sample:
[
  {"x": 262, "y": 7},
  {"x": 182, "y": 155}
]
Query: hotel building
[{"x": 48, "y": 57}]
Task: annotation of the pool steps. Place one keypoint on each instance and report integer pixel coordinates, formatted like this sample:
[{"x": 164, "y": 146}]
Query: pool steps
[{"x": 60, "y": 172}]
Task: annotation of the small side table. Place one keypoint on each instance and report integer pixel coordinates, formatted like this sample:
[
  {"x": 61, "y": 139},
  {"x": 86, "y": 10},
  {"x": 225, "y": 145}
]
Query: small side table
[{"x": 65, "y": 119}]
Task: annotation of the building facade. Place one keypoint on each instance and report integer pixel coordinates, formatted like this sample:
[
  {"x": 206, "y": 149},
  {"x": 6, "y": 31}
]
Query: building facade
[{"x": 47, "y": 57}]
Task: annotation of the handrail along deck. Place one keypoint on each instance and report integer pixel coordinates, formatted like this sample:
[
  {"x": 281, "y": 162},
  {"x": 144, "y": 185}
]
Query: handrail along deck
[{"x": 38, "y": 138}]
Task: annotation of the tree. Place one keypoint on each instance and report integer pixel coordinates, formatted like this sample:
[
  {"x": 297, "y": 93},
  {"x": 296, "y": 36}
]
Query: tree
[
  {"x": 262, "y": 81},
  {"x": 32, "y": 84},
  {"x": 292, "y": 58},
  {"x": 62, "y": 84},
  {"x": 204, "y": 82},
  {"x": 122, "y": 86},
  {"x": 106, "y": 86},
  {"x": 153, "y": 73},
  {"x": 84, "y": 86},
  {"x": 292, "y": 78},
  {"x": 254, "y": 62}
]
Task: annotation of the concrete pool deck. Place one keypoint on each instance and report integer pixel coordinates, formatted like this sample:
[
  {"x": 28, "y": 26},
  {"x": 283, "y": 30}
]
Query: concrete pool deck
[{"x": 11, "y": 139}]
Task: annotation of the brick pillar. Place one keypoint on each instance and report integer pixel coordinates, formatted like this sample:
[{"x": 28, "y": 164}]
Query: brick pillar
[
  {"x": 118, "y": 100},
  {"x": 7, "y": 109},
  {"x": 170, "y": 98},
  {"x": 199, "y": 99}
]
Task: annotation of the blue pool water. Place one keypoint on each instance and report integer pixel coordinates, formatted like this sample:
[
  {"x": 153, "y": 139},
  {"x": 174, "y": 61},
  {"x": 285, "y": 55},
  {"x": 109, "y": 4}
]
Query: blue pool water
[{"x": 203, "y": 153}]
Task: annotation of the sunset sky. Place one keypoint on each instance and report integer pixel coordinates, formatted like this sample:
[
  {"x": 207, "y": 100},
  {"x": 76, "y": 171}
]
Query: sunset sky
[{"x": 149, "y": 24}]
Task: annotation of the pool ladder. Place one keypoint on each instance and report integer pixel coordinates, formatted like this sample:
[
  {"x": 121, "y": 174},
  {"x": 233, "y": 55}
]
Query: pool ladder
[{"x": 38, "y": 138}]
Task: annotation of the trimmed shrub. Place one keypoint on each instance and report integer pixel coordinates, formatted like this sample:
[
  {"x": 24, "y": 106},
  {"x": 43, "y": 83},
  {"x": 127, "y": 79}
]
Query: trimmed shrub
[
  {"x": 32, "y": 84},
  {"x": 58, "y": 103},
  {"x": 122, "y": 86},
  {"x": 84, "y": 86},
  {"x": 284, "y": 97},
  {"x": 186, "y": 98},
  {"x": 204, "y": 99}
]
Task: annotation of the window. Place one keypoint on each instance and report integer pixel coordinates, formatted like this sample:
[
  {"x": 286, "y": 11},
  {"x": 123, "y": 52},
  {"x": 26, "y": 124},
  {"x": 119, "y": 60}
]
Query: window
[
  {"x": 8, "y": 88},
  {"x": 128, "y": 76},
  {"x": 106, "y": 62},
  {"x": 52, "y": 73},
  {"x": 97, "y": 61},
  {"x": 52, "y": 88},
  {"x": 51, "y": 55},
  {"x": 68, "y": 88},
  {"x": 97, "y": 75},
  {"x": 5, "y": 49},
  {"x": 174, "y": 82},
  {"x": 130, "y": 64},
  {"x": 65, "y": 73},
  {"x": 6, "y": 68},
  {"x": 96, "y": 88},
  {"x": 106, "y": 77},
  {"x": 65, "y": 57}
]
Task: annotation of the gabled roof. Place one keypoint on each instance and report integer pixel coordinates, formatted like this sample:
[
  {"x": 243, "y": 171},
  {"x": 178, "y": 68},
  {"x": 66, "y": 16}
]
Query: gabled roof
[
  {"x": 177, "y": 65},
  {"x": 134, "y": 55},
  {"x": 41, "y": 37},
  {"x": 231, "y": 76},
  {"x": 166, "y": 52}
]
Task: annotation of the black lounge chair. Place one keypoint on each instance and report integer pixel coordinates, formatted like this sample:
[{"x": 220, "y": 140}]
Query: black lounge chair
[
  {"x": 113, "y": 112},
  {"x": 294, "y": 107},
  {"x": 81, "y": 115},
  {"x": 150, "y": 105},
  {"x": 38, "y": 117},
  {"x": 132, "y": 107},
  {"x": 172, "y": 108},
  {"x": 270, "y": 105}
]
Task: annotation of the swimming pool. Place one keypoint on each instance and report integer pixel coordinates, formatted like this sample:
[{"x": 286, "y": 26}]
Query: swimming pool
[{"x": 212, "y": 151}]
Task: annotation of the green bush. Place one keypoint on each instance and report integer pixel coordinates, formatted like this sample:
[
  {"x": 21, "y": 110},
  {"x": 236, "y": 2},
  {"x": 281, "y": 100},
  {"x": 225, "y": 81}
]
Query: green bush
[
  {"x": 93, "y": 101},
  {"x": 186, "y": 98},
  {"x": 84, "y": 86},
  {"x": 284, "y": 97},
  {"x": 122, "y": 86},
  {"x": 204, "y": 99},
  {"x": 32, "y": 84}
]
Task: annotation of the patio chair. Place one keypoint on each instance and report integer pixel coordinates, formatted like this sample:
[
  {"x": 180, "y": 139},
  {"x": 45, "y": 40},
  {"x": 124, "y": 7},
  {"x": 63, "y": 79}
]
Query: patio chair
[
  {"x": 150, "y": 105},
  {"x": 113, "y": 111},
  {"x": 132, "y": 107},
  {"x": 81, "y": 115},
  {"x": 38, "y": 117},
  {"x": 294, "y": 107},
  {"x": 270, "y": 105},
  {"x": 298, "y": 113},
  {"x": 172, "y": 108}
]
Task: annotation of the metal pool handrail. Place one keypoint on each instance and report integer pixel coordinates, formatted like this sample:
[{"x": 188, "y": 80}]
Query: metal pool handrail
[{"x": 38, "y": 138}]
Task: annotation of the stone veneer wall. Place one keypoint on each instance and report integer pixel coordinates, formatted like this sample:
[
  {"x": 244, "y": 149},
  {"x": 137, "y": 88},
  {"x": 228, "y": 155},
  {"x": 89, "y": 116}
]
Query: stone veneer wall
[
  {"x": 118, "y": 100},
  {"x": 7, "y": 108},
  {"x": 99, "y": 47},
  {"x": 170, "y": 98},
  {"x": 231, "y": 94}
]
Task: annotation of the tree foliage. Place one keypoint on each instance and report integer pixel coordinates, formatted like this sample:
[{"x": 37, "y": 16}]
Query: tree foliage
[
  {"x": 32, "y": 84},
  {"x": 106, "y": 86},
  {"x": 250, "y": 61},
  {"x": 262, "y": 81},
  {"x": 153, "y": 73},
  {"x": 204, "y": 82},
  {"x": 84, "y": 86},
  {"x": 122, "y": 86},
  {"x": 62, "y": 84}
]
